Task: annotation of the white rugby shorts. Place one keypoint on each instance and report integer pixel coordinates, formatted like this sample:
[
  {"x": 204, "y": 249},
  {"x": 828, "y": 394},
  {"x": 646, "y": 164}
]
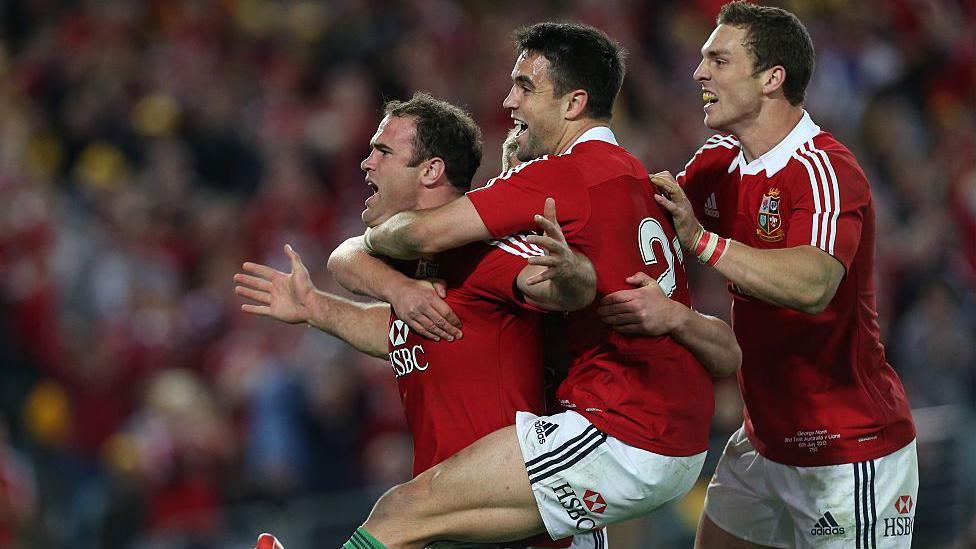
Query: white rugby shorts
[
  {"x": 864, "y": 505},
  {"x": 584, "y": 479}
]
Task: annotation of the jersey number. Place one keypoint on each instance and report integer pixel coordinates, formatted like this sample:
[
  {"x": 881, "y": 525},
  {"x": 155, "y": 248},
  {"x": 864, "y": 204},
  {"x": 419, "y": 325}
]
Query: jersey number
[{"x": 649, "y": 232}]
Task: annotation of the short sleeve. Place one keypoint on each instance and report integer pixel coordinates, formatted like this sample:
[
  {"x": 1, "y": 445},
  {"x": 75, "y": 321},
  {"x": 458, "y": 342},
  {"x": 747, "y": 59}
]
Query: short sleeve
[
  {"x": 828, "y": 204},
  {"x": 508, "y": 204},
  {"x": 499, "y": 270}
]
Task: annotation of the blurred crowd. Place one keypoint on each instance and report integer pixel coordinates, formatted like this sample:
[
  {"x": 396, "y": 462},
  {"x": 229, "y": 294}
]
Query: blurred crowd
[{"x": 149, "y": 147}]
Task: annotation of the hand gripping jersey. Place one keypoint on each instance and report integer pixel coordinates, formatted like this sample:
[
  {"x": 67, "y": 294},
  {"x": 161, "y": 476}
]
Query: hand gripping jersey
[
  {"x": 649, "y": 392},
  {"x": 454, "y": 393},
  {"x": 817, "y": 389}
]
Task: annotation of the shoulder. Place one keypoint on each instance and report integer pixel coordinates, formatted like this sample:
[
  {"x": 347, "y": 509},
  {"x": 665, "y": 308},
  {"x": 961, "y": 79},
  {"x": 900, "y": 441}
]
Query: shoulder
[
  {"x": 825, "y": 162},
  {"x": 542, "y": 168},
  {"x": 718, "y": 151}
]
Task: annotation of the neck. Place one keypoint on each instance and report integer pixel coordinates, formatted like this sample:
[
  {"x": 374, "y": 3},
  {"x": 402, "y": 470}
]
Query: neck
[
  {"x": 574, "y": 129},
  {"x": 759, "y": 135},
  {"x": 437, "y": 196}
]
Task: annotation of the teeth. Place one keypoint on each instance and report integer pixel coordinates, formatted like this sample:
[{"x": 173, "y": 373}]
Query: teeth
[{"x": 709, "y": 97}]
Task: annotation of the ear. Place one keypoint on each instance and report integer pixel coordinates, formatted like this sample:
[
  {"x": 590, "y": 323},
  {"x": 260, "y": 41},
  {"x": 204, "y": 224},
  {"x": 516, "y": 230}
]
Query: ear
[
  {"x": 433, "y": 172},
  {"x": 576, "y": 101},
  {"x": 773, "y": 79}
]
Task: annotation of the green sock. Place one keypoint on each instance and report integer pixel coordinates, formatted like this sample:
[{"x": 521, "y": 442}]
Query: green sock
[{"x": 361, "y": 539}]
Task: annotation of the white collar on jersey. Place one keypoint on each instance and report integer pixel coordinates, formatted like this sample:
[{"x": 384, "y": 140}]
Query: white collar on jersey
[
  {"x": 779, "y": 156},
  {"x": 599, "y": 133}
]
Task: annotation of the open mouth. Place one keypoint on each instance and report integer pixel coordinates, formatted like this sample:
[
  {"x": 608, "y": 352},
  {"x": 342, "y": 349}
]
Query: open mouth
[
  {"x": 520, "y": 127},
  {"x": 709, "y": 98},
  {"x": 373, "y": 187}
]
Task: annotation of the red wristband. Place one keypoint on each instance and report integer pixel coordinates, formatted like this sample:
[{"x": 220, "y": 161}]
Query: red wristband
[{"x": 710, "y": 248}]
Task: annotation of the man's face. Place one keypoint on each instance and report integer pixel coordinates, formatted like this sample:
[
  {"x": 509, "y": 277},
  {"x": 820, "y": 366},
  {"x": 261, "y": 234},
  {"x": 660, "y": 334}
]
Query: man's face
[
  {"x": 534, "y": 106},
  {"x": 396, "y": 185},
  {"x": 731, "y": 94}
]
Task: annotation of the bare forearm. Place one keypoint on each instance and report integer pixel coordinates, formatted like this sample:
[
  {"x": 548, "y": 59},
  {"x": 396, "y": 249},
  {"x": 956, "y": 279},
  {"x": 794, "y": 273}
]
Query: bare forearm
[
  {"x": 802, "y": 278},
  {"x": 710, "y": 339},
  {"x": 410, "y": 235},
  {"x": 361, "y": 273},
  {"x": 398, "y": 237},
  {"x": 566, "y": 293},
  {"x": 364, "y": 326}
]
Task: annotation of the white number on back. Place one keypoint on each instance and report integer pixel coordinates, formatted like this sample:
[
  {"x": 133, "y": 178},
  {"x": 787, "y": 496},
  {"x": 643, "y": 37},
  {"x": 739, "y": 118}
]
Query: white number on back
[{"x": 651, "y": 231}]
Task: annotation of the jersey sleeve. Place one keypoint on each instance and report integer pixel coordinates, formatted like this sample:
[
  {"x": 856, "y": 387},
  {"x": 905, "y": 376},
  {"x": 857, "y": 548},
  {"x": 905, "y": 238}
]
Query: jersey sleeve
[
  {"x": 831, "y": 195},
  {"x": 501, "y": 267},
  {"x": 508, "y": 204}
]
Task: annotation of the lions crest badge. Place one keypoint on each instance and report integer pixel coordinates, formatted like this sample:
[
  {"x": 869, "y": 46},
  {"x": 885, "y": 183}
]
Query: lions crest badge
[{"x": 770, "y": 223}]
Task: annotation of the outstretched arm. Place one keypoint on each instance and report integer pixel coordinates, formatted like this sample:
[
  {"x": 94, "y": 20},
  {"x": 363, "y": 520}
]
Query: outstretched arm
[
  {"x": 645, "y": 310},
  {"x": 803, "y": 278},
  {"x": 409, "y": 235},
  {"x": 292, "y": 298},
  {"x": 419, "y": 303},
  {"x": 562, "y": 279}
]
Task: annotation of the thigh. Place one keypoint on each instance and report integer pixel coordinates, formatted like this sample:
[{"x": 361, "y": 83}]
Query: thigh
[
  {"x": 740, "y": 504},
  {"x": 864, "y": 505},
  {"x": 480, "y": 494},
  {"x": 710, "y": 536}
]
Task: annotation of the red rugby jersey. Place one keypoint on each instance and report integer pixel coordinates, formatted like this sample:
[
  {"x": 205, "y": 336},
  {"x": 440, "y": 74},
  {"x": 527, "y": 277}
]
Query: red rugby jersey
[
  {"x": 817, "y": 389},
  {"x": 454, "y": 393},
  {"x": 649, "y": 392}
]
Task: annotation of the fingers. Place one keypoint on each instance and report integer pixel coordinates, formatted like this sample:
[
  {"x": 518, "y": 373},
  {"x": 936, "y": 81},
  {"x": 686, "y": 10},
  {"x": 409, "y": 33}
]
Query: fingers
[
  {"x": 421, "y": 329},
  {"x": 639, "y": 279},
  {"x": 451, "y": 322},
  {"x": 621, "y": 296},
  {"x": 253, "y": 281},
  {"x": 550, "y": 245},
  {"x": 260, "y": 297},
  {"x": 545, "y": 275},
  {"x": 440, "y": 286},
  {"x": 296, "y": 261},
  {"x": 550, "y": 228},
  {"x": 256, "y": 309},
  {"x": 549, "y": 210},
  {"x": 436, "y": 323},
  {"x": 618, "y": 308},
  {"x": 435, "y": 328},
  {"x": 667, "y": 204},
  {"x": 546, "y": 260},
  {"x": 261, "y": 270},
  {"x": 621, "y": 319},
  {"x": 667, "y": 185}
]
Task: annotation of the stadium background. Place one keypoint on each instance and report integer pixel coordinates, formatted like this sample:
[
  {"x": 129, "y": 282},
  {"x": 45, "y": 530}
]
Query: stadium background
[{"x": 147, "y": 148}]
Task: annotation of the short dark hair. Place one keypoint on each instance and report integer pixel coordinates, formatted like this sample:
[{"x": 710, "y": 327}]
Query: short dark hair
[
  {"x": 775, "y": 37},
  {"x": 580, "y": 57},
  {"x": 443, "y": 130}
]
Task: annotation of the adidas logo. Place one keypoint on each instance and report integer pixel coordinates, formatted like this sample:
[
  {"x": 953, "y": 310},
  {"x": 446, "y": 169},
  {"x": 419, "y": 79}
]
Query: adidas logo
[
  {"x": 543, "y": 429},
  {"x": 826, "y": 526},
  {"x": 711, "y": 206}
]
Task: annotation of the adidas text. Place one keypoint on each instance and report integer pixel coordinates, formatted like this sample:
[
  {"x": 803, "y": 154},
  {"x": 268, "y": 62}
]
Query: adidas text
[{"x": 543, "y": 429}]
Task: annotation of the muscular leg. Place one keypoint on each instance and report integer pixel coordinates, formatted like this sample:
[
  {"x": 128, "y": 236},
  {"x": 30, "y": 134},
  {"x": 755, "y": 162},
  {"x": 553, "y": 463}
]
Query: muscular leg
[
  {"x": 710, "y": 536},
  {"x": 482, "y": 493}
]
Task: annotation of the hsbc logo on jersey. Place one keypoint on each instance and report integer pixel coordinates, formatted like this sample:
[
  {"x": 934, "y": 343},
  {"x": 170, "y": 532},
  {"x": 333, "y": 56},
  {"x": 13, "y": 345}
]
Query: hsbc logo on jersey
[
  {"x": 407, "y": 359},
  {"x": 399, "y": 332}
]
